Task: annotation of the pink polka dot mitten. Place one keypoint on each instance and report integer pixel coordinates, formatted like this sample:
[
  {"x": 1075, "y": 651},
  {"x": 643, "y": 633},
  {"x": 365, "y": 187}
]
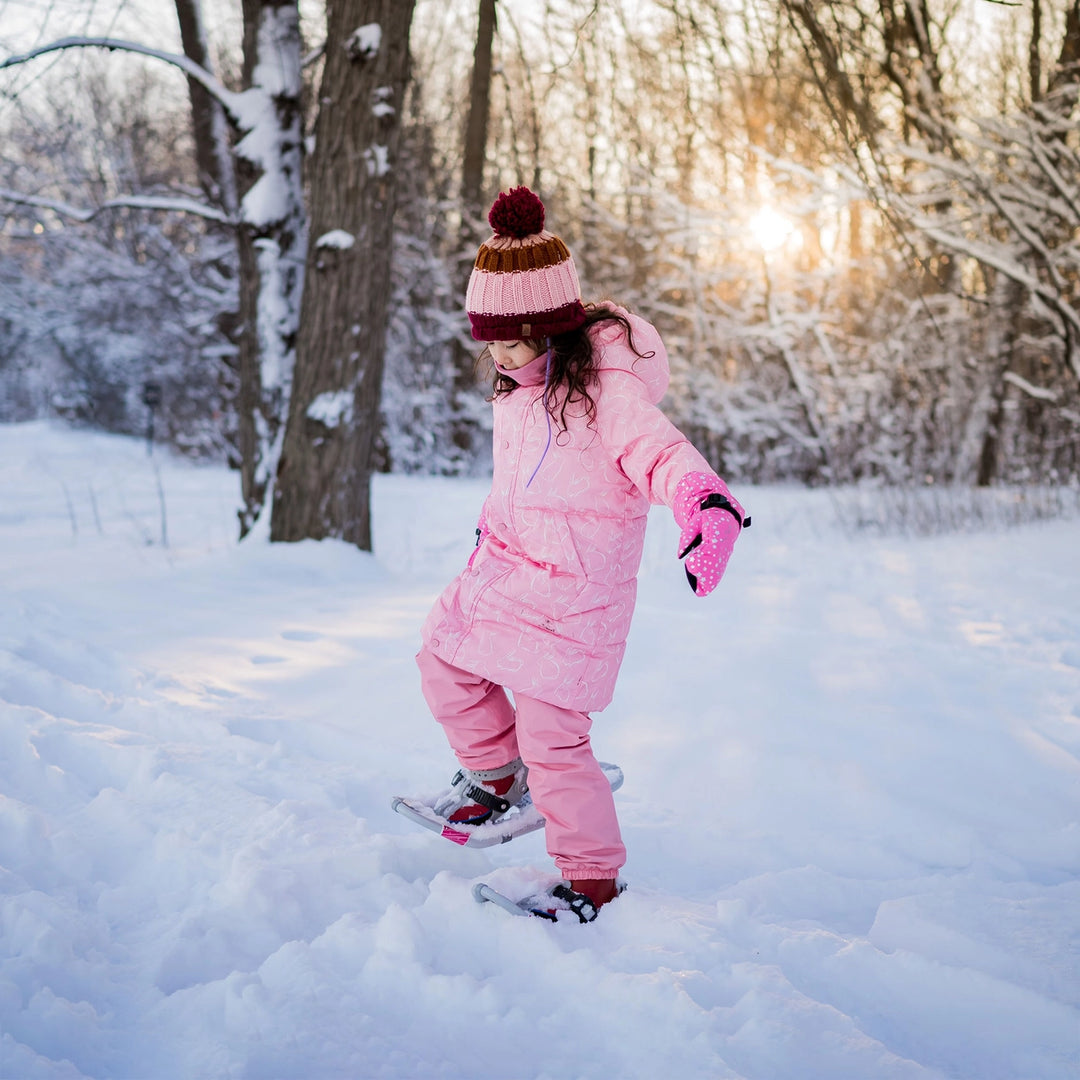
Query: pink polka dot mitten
[{"x": 711, "y": 521}]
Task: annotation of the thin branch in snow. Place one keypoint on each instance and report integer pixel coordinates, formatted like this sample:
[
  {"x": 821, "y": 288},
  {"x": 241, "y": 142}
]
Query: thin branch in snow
[
  {"x": 230, "y": 100},
  {"x": 134, "y": 202},
  {"x": 1037, "y": 392},
  {"x": 990, "y": 256},
  {"x": 167, "y": 203},
  {"x": 1064, "y": 189}
]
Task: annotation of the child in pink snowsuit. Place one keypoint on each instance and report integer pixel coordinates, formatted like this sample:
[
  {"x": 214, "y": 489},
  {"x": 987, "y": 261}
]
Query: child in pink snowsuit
[{"x": 543, "y": 608}]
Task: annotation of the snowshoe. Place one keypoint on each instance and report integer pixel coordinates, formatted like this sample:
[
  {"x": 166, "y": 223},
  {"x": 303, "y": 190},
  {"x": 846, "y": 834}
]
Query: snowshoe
[
  {"x": 518, "y": 819},
  {"x": 558, "y": 902}
]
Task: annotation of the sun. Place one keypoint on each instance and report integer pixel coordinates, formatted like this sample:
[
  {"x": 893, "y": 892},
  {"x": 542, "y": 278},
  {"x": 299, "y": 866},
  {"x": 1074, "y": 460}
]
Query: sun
[{"x": 770, "y": 229}]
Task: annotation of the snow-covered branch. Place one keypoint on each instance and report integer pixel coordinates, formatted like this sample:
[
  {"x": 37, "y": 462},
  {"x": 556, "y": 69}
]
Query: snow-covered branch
[
  {"x": 1037, "y": 392},
  {"x": 989, "y": 256},
  {"x": 133, "y": 202},
  {"x": 232, "y": 102}
]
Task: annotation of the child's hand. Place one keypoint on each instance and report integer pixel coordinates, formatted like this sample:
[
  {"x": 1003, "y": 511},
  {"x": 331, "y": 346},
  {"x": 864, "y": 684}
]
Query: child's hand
[{"x": 711, "y": 521}]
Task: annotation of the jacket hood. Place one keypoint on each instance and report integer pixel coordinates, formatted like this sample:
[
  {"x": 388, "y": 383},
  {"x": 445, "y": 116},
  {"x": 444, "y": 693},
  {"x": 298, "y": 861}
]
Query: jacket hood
[{"x": 615, "y": 353}]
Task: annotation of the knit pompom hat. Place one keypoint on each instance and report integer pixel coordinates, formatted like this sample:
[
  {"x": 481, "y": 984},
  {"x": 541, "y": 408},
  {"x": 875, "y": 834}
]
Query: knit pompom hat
[{"x": 524, "y": 283}]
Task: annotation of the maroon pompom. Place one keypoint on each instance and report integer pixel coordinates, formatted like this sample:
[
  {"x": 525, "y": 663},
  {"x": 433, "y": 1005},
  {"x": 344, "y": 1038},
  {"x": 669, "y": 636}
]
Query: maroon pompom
[{"x": 517, "y": 213}]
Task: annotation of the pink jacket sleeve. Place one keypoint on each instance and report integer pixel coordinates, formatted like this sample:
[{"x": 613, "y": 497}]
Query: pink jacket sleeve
[{"x": 647, "y": 447}]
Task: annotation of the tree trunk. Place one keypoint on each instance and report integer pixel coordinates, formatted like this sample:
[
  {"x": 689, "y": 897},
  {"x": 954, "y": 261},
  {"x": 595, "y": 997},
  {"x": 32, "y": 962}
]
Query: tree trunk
[
  {"x": 324, "y": 473},
  {"x": 476, "y": 127},
  {"x": 213, "y": 156},
  {"x": 1035, "y": 52},
  {"x": 271, "y": 242},
  {"x": 464, "y": 430},
  {"x": 1008, "y": 307},
  {"x": 1062, "y": 90}
]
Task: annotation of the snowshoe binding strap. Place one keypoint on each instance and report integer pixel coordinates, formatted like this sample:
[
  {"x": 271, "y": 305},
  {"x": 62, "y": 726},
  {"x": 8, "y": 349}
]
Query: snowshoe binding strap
[
  {"x": 496, "y": 803},
  {"x": 467, "y": 788},
  {"x": 580, "y": 905}
]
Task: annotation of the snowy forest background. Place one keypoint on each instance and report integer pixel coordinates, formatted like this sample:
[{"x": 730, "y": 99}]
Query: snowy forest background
[{"x": 855, "y": 222}]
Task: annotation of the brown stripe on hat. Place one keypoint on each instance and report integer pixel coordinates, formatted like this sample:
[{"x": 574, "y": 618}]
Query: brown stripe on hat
[{"x": 531, "y": 257}]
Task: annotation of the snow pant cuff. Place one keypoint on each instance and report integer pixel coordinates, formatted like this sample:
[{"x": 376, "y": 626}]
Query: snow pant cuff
[{"x": 587, "y": 873}]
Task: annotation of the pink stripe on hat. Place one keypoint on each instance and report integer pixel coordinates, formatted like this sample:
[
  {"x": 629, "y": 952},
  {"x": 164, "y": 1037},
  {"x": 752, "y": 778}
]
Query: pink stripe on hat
[{"x": 523, "y": 291}]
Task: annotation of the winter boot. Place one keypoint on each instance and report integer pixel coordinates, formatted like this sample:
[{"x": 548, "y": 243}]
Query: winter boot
[
  {"x": 479, "y": 795},
  {"x": 598, "y": 891}
]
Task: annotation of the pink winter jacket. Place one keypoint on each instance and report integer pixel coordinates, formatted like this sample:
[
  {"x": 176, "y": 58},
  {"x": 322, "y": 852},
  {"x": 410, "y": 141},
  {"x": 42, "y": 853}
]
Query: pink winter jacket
[{"x": 544, "y": 606}]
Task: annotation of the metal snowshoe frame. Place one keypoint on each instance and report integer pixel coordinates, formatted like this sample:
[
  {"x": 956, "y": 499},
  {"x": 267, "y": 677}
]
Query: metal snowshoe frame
[{"x": 517, "y": 821}]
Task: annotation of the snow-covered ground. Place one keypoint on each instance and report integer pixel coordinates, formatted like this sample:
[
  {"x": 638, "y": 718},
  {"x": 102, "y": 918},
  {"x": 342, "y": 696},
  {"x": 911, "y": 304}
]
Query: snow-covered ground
[{"x": 851, "y": 802}]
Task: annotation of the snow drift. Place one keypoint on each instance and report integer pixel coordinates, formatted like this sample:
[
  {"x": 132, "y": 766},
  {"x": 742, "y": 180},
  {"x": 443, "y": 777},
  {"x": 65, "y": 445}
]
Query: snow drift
[{"x": 852, "y": 778}]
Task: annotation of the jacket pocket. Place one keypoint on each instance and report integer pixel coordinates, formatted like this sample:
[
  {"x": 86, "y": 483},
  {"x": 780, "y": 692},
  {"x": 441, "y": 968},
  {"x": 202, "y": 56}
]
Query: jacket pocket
[
  {"x": 547, "y": 540},
  {"x": 535, "y": 594}
]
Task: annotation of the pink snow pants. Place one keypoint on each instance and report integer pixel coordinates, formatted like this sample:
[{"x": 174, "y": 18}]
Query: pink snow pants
[{"x": 567, "y": 784}]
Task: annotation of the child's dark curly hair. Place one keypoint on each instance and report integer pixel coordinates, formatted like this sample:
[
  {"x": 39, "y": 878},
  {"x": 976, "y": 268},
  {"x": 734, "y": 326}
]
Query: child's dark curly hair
[{"x": 573, "y": 365}]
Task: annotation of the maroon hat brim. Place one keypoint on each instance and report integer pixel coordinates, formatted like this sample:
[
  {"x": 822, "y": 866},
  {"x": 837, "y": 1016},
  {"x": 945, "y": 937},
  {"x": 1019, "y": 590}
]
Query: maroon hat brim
[{"x": 538, "y": 325}]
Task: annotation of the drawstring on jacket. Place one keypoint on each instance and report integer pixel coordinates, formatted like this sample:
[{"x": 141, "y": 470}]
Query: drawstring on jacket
[{"x": 529, "y": 375}]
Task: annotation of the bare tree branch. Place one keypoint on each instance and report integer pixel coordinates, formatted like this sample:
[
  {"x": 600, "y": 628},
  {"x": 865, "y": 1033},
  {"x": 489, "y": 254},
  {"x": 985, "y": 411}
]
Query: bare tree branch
[
  {"x": 134, "y": 202},
  {"x": 232, "y": 102},
  {"x": 1037, "y": 392}
]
